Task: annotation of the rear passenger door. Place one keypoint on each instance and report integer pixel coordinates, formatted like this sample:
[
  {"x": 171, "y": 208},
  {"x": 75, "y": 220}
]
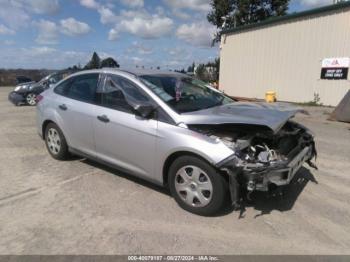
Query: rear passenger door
[
  {"x": 123, "y": 138},
  {"x": 76, "y": 107}
]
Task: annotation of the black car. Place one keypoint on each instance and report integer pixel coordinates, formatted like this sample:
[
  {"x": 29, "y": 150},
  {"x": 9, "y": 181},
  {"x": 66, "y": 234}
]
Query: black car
[
  {"x": 23, "y": 79},
  {"x": 26, "y": 93}
]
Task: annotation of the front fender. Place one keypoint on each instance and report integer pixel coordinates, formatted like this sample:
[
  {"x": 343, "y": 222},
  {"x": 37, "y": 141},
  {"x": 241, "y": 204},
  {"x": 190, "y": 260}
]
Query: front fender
[{"x": 172, "y": 139}]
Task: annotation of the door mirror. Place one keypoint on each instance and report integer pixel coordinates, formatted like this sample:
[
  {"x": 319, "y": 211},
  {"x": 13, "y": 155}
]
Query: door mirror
[{"x": 145, "y": 111}]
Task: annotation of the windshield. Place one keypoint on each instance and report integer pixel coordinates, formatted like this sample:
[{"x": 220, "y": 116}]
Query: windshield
[
  {"x": 55, "y": 78},
  {"x": 185, "y": 94},
  {"x": 51, "y": 79}
]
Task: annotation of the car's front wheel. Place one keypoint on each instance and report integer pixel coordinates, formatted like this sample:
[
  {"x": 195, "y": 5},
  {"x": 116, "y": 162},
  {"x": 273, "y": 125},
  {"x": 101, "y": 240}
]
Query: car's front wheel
[
  {"x": 31, "y": 99},
  {"x": 197, "y": 186},
  {"x": 55, "y": 142}
]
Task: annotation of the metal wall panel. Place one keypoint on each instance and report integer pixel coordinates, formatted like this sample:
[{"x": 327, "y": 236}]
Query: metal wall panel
[{"x": 286, "y": 58}]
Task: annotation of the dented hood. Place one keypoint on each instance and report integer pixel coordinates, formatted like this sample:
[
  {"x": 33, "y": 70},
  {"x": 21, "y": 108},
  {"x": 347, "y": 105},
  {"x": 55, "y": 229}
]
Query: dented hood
[{"x": 273, "y": 116}]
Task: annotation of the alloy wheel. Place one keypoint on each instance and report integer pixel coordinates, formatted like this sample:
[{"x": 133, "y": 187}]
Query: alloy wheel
[
  {"x": 53, "y": 141},
  {"x": 31, "y": 99}
]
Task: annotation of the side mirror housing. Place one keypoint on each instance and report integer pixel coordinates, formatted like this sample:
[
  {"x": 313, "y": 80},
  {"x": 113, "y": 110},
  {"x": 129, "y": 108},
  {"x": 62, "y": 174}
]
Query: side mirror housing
[{"x": 145, "y": 111}]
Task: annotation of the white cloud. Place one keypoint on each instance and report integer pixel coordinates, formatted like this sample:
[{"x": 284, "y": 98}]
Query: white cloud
[
  {"x": 181, "y": 14},
  {"x": 92, "y": 4},
  {"x": 107, "y": 15},
  {"x": 4, "y": 30},
  {"x": 195, "y": 5},
  {"x": 177, "y": 52},
  {"x": 39, "y": 6},
  {"x": 72, "y": 27},
  {"x": 41, "y": 57},
  {"x": 48, "y": 32},
  {"x": 40, "y": 51},
  {"x": 133, "y": 3},
  {"x": 147, "y": 27},
  {"x": 142, "y": 24},
  {"x": 315, "y": 3},
  {"x": 35, "y": 6},
  {"x": 113, "y": 34},
  {"x": 134, "y": 21},
  {"x": 9, "y": 42},
  {"x": 136, "y": 60},
  {"x": 198, "y": 34},
  {"x": 139, "y": 48},
  {"x": 45, "y": 57},
  {"x": 16, "y": 13},
  {"x": 13, "y": 15}
]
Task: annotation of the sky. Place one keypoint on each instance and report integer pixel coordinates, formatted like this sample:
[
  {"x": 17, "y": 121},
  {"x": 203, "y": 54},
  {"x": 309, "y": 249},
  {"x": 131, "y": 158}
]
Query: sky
[{"x": 56, "y": 34}]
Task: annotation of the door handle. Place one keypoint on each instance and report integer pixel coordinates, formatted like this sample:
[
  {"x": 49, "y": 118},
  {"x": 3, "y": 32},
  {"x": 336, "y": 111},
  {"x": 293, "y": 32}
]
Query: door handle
[
  {"x": 103, "y": 118},
  {"x": 63, "y": 107}
]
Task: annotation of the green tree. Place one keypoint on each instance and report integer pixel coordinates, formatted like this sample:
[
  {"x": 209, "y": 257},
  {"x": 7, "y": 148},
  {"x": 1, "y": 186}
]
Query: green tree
[
  {"x": 109, "y": 62},
  {"x": 94, "y": 63},
  {"x": 215, "y": 69},
  {"x": 242, "y": 12},
  {"x": 201, "y": 73},
  {"x": 191, "y": 68},
  {"x": 182, "y": 71}
]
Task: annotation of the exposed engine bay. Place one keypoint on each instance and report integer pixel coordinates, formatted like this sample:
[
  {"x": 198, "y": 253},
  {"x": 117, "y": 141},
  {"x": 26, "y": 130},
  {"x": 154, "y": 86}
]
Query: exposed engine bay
[{"x": 262, "y": 158}]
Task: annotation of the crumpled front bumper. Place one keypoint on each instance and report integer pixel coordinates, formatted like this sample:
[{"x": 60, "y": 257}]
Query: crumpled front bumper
[
  {"x": 261, "y": 178},
  {"x": 279, "y": 176},
  {"x": 16, "y": 98}
]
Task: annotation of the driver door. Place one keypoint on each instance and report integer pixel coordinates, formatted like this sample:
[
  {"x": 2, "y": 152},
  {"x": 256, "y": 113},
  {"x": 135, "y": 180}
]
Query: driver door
[{"x": 122, "y": 138}]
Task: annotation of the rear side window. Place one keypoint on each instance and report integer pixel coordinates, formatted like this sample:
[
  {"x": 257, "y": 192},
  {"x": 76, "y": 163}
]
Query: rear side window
[{"x": 82, "y": 88}]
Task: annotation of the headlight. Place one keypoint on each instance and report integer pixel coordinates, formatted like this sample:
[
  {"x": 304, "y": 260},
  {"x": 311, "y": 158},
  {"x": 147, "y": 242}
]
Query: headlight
[{"x": 19, "y": 88}]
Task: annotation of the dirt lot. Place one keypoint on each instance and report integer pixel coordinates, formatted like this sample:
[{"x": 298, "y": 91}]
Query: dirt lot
[{"x": 79, "y": 207}]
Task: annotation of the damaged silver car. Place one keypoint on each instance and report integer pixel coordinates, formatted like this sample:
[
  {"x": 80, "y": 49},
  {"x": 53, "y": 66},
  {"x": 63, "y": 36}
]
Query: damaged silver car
[{"x": 175, "y": 131}]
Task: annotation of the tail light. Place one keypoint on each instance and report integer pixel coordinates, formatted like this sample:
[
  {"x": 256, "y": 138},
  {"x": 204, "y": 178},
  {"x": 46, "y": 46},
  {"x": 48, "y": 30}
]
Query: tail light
[{"x": 39, "y": 98}]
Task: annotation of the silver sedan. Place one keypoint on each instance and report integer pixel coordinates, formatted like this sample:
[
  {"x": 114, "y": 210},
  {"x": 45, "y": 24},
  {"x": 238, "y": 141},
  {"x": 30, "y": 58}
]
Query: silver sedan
[{"x": 175, "y": 131}]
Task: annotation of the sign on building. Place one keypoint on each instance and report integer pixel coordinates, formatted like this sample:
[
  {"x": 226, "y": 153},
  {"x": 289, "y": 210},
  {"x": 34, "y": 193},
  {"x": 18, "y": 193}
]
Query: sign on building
[{"x": 335, "y": 68}]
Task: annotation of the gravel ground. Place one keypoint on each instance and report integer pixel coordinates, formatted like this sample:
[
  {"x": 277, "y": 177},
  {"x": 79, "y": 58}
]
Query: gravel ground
[{"x": 80, "y": 207}]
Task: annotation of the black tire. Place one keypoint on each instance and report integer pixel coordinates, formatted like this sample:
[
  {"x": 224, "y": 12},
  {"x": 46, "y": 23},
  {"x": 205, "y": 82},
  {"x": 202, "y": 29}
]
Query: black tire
[
  {"x": 219, "y": 193},
  {"x": 60, "y": 153}
]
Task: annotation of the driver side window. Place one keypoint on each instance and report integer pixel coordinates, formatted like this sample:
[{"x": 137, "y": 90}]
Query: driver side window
[{"x": 121, "y": 94}]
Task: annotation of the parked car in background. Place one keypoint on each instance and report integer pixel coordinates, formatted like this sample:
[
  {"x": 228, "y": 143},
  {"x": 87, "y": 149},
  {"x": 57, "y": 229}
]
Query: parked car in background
[
  {"x": 26, "y": 93},
  {"x": 175, "y": 131},
  {"x": 23, "y": 80}
]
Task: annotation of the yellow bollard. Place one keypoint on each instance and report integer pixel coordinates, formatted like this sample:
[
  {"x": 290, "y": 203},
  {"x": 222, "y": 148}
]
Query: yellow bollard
[{"x": 270, "y": 97}]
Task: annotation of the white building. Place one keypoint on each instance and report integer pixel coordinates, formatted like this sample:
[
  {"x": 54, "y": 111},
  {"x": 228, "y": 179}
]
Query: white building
[{"x": 299, "y": 56}]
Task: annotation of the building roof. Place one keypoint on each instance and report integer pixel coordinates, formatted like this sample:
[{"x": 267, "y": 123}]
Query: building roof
[{"x": 293, "y": 16}]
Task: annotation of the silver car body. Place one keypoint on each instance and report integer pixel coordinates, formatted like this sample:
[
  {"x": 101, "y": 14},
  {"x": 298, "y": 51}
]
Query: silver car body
[
  {"x": 143, "y": 146},
  {"x": 138, "y": 145}
]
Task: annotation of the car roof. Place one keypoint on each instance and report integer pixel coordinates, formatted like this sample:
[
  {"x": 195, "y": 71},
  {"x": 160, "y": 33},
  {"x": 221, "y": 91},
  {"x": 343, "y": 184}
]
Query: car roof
[
  {"x": 140, "y": 72},
  {"x": 134, "y": 72}
]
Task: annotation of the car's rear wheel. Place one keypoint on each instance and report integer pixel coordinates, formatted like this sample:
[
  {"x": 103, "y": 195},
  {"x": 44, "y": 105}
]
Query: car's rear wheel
[
  {"x": 55, "y": 142},
  {"x": 197, "y": 186},
  {"x": 31, "y": 99}
]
